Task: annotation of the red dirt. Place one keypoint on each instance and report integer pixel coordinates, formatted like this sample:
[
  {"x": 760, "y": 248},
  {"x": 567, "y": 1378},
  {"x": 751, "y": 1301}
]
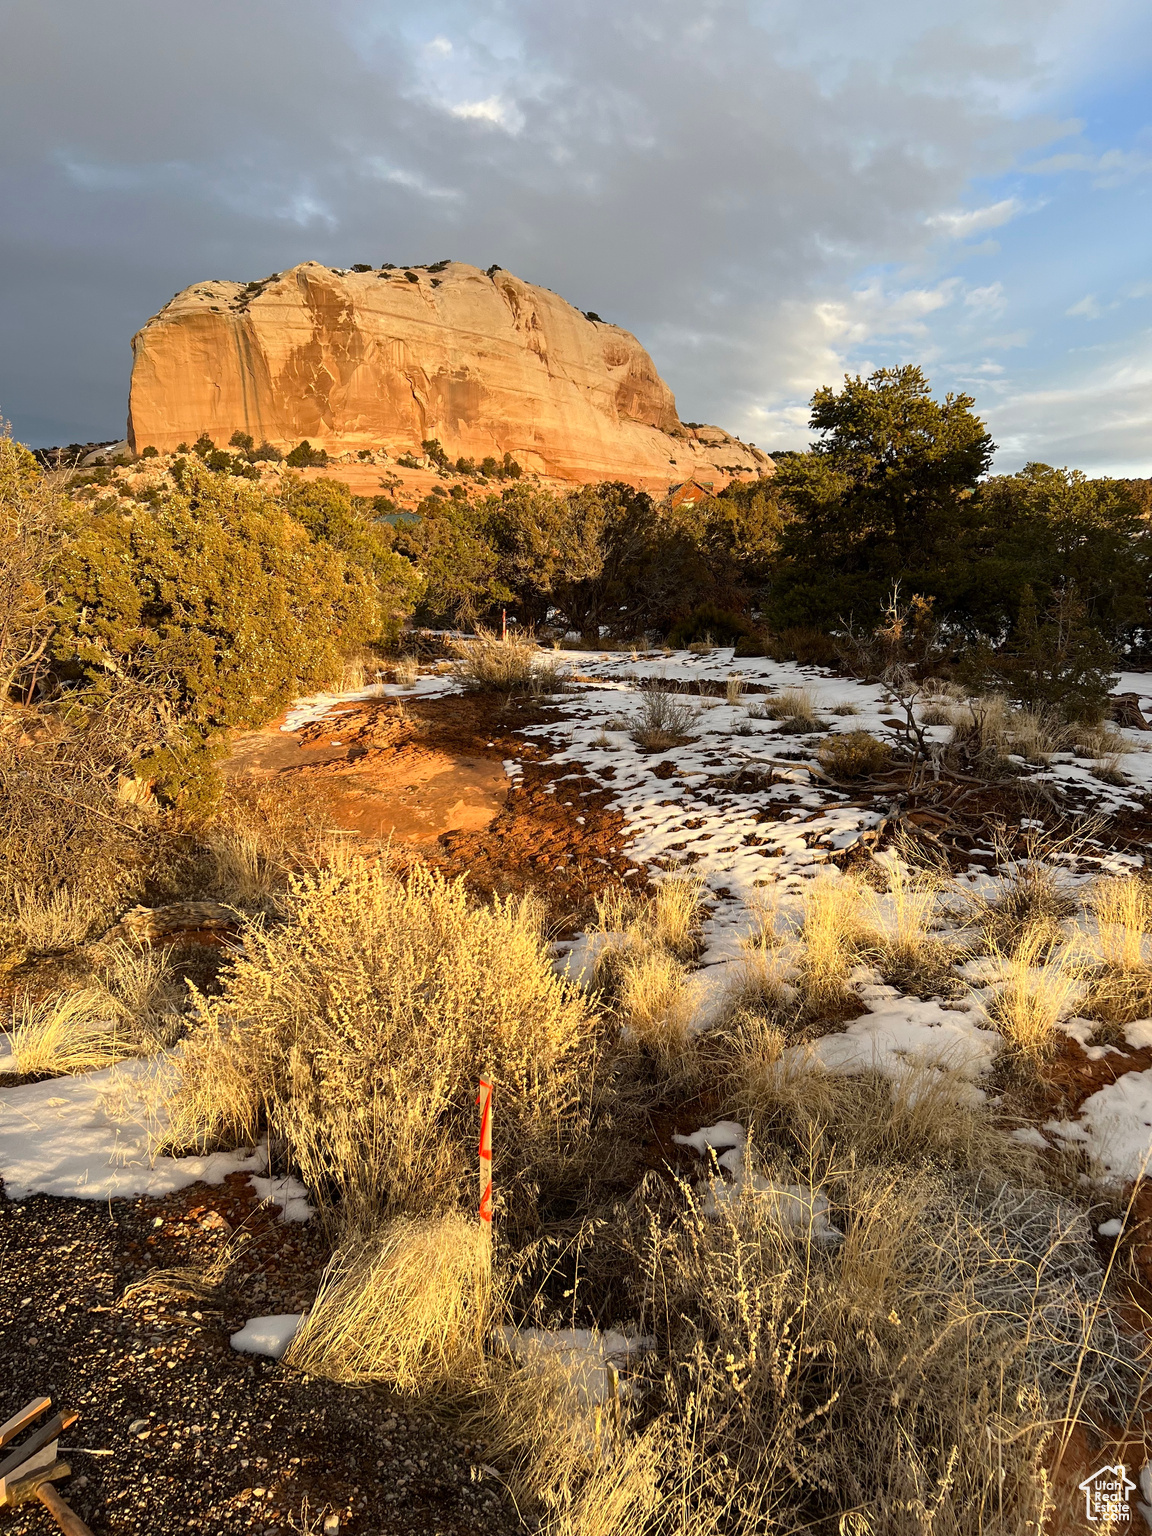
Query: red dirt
[{"x": 429, "y": 773}]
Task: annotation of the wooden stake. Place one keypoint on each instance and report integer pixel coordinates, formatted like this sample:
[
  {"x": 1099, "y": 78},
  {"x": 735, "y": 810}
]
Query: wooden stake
[
  {"x": 43, "y": 1435},
  {"x": 485, "y": 1102},
  {"x": 21, "y": 1420}
]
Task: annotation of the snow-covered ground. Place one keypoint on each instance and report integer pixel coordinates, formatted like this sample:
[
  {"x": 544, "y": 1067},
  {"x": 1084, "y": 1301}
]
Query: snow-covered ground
[{"x": 91, "y": 1135}]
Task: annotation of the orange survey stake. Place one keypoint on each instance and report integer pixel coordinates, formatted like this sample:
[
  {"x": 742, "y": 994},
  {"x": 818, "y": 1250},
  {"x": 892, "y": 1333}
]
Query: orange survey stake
[{"x": 485, "y": 1101}]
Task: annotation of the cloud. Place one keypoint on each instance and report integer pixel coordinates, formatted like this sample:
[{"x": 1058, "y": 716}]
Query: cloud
[
  {"x": 1088, "y": 307},
  {"x": 767, "y": 195},
  {"x": 990, "y": 299},
  {"x": 492, "y": 110},
  {"x": 1100, "y": 421},
  {"x": 963, "y": 223},
  {"x": 1113, "y": 168}
]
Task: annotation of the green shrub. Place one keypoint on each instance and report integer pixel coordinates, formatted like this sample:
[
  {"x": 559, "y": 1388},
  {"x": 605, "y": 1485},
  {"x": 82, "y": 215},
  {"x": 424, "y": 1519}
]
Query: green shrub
[
  {"x": 304, "y": 456},
  {"x": 266, "y": 454},
  {"x": 203, "y": 445},
  {"x": 243, "y": 441},
  {"x": 150, "y": 452},
  {"x": 708, "y": 621},
  {"x": 218, "y": 591},
  {"x": 434, "y": 451}
]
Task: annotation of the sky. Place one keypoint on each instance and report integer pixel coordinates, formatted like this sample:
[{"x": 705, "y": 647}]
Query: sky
[{"x": 768, "y": 193}]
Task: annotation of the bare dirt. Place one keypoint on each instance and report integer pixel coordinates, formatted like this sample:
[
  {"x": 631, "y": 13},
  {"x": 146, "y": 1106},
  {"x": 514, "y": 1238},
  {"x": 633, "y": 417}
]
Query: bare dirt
[{"x": 429, "y": 775}]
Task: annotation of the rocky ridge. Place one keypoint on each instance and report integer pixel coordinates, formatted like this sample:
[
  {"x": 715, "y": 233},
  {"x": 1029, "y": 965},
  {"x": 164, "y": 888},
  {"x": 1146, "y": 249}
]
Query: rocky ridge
[{"x": 371, "y": 359}]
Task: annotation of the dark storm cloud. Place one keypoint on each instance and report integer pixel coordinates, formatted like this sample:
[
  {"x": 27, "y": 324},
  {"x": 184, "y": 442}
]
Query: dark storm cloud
[{"x": 698, "y": 172}]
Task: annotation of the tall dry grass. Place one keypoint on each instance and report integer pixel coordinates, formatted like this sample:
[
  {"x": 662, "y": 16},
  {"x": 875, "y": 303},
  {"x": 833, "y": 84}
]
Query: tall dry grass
[
  {"x": 1116, "y": 952},
  {"x": 512, "y": 663},
  {"x": 1036, "y": 990},
  {"x": 1032, "y": 900},
  {"x": 355, "y": 1032},
  {"x": 642, "y": 971},
  {"x": 901, "y": 942},
  {"x": 795, "y": 708},
  {"x": 912, "y": 1371},
  {"x": 409, "y": 1305},
  {"x": 989, "y": 729},
  {"x": 832, "y": 931},
  {"x": 245, "y": 865},
  {"x": 66, "y": 1032},
  {"x": 59, "y": 919}
]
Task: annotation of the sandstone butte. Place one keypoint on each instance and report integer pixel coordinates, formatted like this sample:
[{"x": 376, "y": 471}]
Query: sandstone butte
[{"x": 386, "y": 359}]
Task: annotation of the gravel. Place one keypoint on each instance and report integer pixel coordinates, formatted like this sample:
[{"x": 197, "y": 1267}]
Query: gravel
[{"x": 179, "y": 1432}]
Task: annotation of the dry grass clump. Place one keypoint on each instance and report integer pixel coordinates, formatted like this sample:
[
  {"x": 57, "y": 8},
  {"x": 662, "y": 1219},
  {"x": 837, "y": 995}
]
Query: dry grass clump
[
  {"x": 511, "y": 663},
  {"x": 356, "y": 1030},
  {"x": 146, "y": 997},
  {"x": 795, "y": 708},
  {"x": 357, "y": 671},
  {"x": 1032, "y": 901},
  {"x": 66, "y": 1033},
  {"x": 878, "y": 1365},
  {"x": 988, "y": 730},
  {"x": 1117, "y": 954},
  {"x": 798, "y": 981},
  {"x": 642, "y": 971},
  {"x": 734, "y": 687},
  {"x": 853, "y": 755},
  {"x": 60, "y": 919},
  {"x": 406, "y": 672},
  {"x": 244, "y": 866},
  {"x": 663, "y": 720},
  {"x": 409, "y": 1305},
  {"x": 1034, "y": 993},
  {"x": 901, "y": 943},
  {"x": 832, "y": 933},
  {"x": 650, "y": 995}
]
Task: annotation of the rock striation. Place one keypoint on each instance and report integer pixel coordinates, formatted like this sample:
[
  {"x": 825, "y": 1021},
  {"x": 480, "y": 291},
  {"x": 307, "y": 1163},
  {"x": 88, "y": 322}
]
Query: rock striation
[{"x": 386, "y": 359}]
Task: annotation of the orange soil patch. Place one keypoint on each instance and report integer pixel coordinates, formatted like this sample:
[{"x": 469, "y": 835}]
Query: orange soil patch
[{"x": 429, "y": 773}]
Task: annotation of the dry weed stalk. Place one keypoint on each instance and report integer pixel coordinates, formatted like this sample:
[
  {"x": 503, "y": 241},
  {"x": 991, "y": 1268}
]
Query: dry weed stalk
[
  {"x": 247, "y": 867},
  {"x": 1032, "y": 900}
]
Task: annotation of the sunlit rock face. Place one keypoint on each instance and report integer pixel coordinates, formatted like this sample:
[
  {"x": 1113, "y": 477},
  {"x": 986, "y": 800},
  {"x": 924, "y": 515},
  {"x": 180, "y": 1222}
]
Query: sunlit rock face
[{"x": 386, "y": 359}]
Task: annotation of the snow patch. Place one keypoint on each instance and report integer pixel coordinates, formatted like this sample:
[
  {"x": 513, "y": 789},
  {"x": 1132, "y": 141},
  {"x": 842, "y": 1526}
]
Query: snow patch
[
  {"x": 288, "y": 1193},
  {"x": 91, "y": 1137},
  {"x": 267, "y": 1335}
]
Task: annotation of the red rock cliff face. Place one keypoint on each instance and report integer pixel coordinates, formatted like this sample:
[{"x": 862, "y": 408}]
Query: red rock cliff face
[{"x": 375, "y": 360}]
